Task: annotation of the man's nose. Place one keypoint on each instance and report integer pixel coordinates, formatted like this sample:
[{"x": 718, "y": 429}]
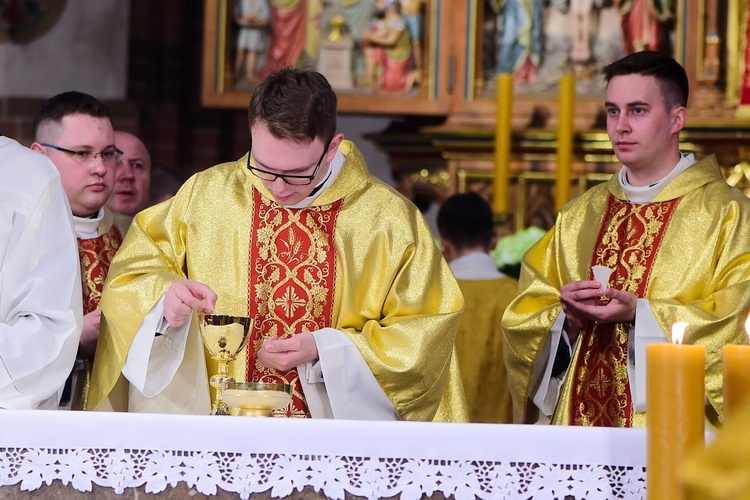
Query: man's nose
[
  {"x": 125, "y": 172},
  {"x": 622, "y": 124},
  {"x": 279, "y": 184},
  {"x": 98, "y": 166}
]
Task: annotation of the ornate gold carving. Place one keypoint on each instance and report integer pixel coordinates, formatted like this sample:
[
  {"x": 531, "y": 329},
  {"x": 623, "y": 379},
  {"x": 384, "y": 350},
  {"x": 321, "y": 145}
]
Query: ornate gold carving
[{"x": 739, "y": 177}]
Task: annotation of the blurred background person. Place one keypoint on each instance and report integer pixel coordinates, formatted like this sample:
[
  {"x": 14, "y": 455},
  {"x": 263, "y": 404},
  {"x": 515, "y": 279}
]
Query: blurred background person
[
  {"x": 133, "y": 176},
  {"x": 467, "y": 234},
  {"x": 165, "y": 182}
]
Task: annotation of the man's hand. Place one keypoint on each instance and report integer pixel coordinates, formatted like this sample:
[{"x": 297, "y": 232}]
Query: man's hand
[
  {"x": 185, "y": 295},
  {"x": 582, "y": 303},
  {"x": 288, "y": 353},
  {"x": 90, "y": 334}
]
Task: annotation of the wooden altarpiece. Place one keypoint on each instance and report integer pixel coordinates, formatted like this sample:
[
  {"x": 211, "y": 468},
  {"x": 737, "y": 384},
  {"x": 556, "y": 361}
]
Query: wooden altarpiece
[{"x": 445, "y": 143}]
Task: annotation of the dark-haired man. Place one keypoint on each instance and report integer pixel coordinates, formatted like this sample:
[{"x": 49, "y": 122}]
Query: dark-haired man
[
  {"x": 675, "y": 235},
  {"x": 351, "y": 301},
  {"x": 75, "y": 131},
  {"x": 467, "y": 234}
]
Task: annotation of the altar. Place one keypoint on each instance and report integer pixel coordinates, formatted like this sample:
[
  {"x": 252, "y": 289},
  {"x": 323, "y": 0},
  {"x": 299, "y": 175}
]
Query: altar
[{"x": 61, "y": 454}]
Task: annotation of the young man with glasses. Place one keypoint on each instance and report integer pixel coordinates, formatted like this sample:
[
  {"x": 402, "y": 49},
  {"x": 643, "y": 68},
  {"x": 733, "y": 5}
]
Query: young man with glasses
[
  {"x": 75, "y": 131},
  {"x": 351, "y": 301}
]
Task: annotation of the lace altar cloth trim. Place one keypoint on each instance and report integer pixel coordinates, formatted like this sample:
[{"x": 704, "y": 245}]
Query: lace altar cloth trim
[{"x": 248, "y": 473}]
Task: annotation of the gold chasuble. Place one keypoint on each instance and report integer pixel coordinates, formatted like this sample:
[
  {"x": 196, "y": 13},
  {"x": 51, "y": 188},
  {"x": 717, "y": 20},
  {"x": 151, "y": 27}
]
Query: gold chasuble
[
  {"x": 687, "y": 254},
  {"x": 479, "y": 346},
  {"x": 360, "y": 259}
]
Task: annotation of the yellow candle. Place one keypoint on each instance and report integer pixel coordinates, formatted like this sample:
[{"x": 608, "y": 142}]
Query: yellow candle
[
  {"x": 736, "y": 361},
  {"x": 565, "y": 105},
  {"x": 675, "y": 379},
  {"x": 503, "y": 129},
  {"x": 736, "y": 376}
]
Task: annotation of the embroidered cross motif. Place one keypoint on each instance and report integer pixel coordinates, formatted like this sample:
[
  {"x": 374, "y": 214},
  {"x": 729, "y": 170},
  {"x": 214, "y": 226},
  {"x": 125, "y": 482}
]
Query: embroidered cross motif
[{"x": 290, "y": 301}]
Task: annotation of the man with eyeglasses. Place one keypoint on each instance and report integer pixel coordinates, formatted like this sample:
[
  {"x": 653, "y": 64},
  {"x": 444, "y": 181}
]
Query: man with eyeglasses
[
  {"x": 75, "y": 131},
  {"x": 351, "y": 300},
  {"x": 40, "y": 281}
]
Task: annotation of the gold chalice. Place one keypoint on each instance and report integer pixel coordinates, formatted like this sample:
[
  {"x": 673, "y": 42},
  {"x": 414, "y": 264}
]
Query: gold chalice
[
  {"x": 224, "y": 337},
  {"x": 256, "y": 399}
]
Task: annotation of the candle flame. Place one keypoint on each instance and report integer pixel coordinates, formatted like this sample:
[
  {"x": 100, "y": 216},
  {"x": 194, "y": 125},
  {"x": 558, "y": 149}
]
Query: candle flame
[
  {"x": 678, "y": 331},
  {"x": 747, "y": 326}
]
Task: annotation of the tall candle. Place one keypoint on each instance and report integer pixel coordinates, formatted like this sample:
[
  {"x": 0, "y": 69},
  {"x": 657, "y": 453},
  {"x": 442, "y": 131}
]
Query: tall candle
[
  {"x": 736, "y": 361},
  {"x": 565, "y": 105},
  {"x": 503, "y": 130},
  {"x": 675, "y": 379}
]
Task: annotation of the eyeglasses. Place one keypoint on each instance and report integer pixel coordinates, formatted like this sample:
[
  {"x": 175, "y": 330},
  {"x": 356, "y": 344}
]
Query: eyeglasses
[
  {"x": 294, "y": 180},
  {"x": 109, "y": 156}
]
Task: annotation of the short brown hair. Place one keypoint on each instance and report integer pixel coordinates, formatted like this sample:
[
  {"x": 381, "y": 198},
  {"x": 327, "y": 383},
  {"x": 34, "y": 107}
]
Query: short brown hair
[
  {"x": 69, "y": 103},
  {"x": 296, "y": 104},
  {"x": 670, "y": 74}
]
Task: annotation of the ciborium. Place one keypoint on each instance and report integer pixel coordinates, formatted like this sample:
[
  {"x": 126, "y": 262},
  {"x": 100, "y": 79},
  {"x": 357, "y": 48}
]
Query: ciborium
[
  {"x": 256, "y": 399},
  {"x": 224, "y": 337}
]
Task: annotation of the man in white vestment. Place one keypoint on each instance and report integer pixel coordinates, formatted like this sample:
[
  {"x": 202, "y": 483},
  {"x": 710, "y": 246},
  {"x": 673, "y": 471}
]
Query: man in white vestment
[
  {"x": 352, "y": 304},
  {"x": 40, "y": 282}
]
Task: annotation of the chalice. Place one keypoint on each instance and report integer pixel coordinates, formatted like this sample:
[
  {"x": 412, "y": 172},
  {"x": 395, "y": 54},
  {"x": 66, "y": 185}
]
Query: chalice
[{"x": 224, "y": 337}]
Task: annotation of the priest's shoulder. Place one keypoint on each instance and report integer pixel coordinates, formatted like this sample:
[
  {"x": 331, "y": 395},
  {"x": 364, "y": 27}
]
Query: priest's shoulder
[
  {"x": 594, "y": 198},
  {"x": 378, "y": 192},
  {"x": 222, "y": 173}
]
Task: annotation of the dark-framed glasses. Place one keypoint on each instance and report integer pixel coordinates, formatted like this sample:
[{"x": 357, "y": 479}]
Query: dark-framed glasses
[
  {"x": 109, "y": 156},
  {"x": 294, "y": 180}
]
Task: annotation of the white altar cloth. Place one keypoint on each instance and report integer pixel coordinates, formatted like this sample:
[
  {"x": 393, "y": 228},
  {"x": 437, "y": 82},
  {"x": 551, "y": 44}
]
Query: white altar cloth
[{"x": 369, "y": 459}]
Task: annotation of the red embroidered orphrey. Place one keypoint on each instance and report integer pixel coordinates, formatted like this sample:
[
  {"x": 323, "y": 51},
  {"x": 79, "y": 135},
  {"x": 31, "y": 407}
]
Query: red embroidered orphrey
[
  {"x": 628, "y": 243},
  {"x": 291, "y": 282}
]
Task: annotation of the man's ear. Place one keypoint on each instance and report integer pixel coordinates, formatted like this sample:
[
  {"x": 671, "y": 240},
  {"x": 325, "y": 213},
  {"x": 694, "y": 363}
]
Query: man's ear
[
  {"x": 679, "y": 118},
  {"x": 448, "y": 251},
  {"x": 493, "y": 241},
  {"x": 334, "y": 146},
  {"x": 37, "y": 147}
]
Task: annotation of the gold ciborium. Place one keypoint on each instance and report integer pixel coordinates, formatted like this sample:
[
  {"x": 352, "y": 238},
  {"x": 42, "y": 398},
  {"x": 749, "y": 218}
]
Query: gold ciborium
[
  {"x": 224, "y": 337},
  {"x": 256, "y": 399}
]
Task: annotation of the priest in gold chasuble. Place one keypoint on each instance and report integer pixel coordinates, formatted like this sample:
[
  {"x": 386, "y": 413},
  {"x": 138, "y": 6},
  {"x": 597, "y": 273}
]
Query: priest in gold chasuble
[
  {"x": 467, "y": 233},
  {"x": 352, "y": 303},
  {"x": 676, "y": 238}
]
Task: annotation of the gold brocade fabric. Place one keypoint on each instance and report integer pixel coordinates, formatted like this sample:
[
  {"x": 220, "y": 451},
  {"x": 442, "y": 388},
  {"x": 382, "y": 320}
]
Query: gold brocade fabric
[
  {"x": 722, "y": 470},
  {"x": 479, "y": 345},
  {"x": 394, "y": 295},
  {"x": 700, "y": 274},
  {"x": 628, "y": 243},
  {"x": 292, "y": 283}
]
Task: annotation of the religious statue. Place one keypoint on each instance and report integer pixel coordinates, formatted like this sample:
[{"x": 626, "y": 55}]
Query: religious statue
[
  {"x": 388, "y": 51},
  {"x": 252, "y": 17},
  {"x": 644, "y": 24}
]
